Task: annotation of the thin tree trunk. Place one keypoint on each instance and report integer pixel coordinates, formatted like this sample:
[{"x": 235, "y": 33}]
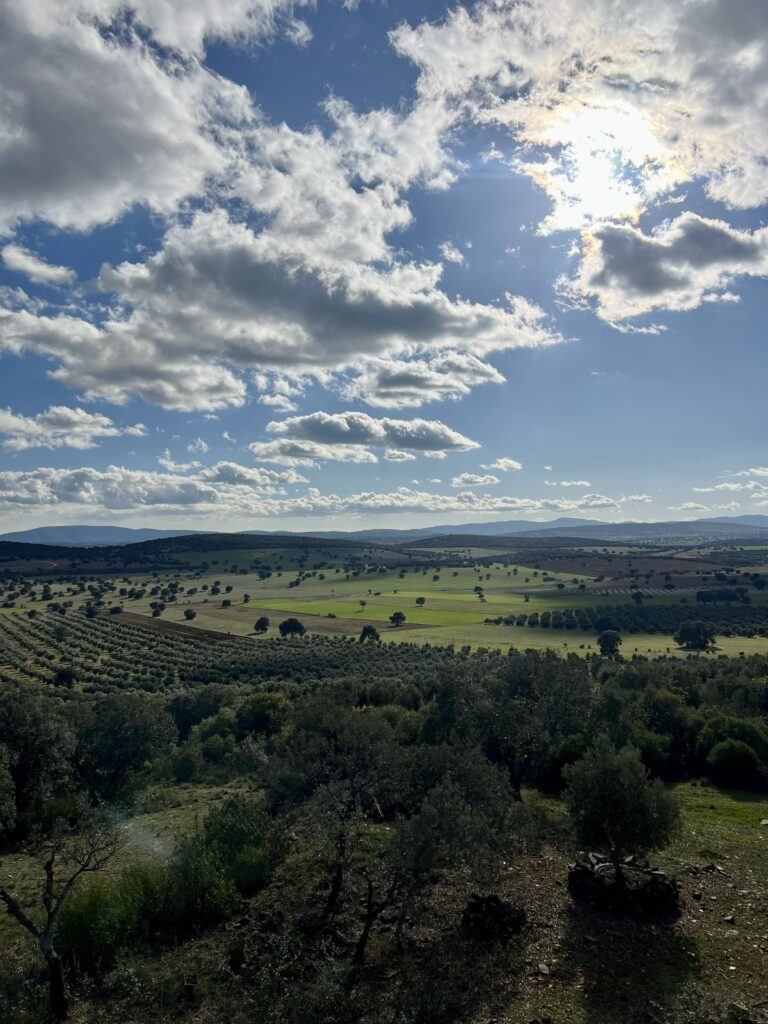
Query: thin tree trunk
[
  {"x": 358, "y": 958},
  {"x": 58, "y": 991},
  {"x": 333, "y": 895},
  {"x": 620, "y": 877}
]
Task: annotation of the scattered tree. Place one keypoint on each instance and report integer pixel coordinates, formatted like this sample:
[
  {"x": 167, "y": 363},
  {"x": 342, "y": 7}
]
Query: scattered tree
[
  {"x": 615, "y": 806},
  {"x": 292, "y": 627},
  {"x": 397, "y": 618},
  {"x": 609, "y": 642},
  {"x": 261, "y": 625},
  {"x": 695, "y": 635},
  {"x": 369, "y": 632}
]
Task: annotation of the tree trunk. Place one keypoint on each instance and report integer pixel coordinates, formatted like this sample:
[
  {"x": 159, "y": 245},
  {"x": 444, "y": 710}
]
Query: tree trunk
[
  {"x": 333, "y": 895},
  {"x": 620, "y": 877},
  {"x": 515, "y": 781},
  {"x": 358, "y": 958},
  {"x": 58, "y": 991}
]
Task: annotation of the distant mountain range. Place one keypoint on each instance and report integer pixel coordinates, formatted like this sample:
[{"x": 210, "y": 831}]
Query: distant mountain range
[
  {"x": 716, "y": 529},
  {"x": 90, "y": 536}
]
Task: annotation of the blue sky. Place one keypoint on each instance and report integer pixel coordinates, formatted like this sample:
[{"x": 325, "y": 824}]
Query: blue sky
[{"x": 281, "y": 264}]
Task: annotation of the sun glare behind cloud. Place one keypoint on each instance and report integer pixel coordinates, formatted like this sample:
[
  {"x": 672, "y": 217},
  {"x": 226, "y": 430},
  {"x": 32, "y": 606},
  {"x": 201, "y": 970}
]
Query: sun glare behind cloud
[{"x": 608, "y": 164}]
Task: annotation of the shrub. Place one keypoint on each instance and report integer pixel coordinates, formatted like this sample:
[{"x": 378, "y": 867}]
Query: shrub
[{"x": 734, "y": 763}]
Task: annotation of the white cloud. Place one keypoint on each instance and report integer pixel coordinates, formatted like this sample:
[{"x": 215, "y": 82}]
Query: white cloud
[
  {"x": 218, "y": 295},
  {"x": 198, "y": 447},
  {"x": 95, "y": 122},
  {"x": 17, "y": 258},
  {"x": 60, "y": 427},
  {"x": 638, "y": 498},
  {"x": 229, "y": 489},
  {"x": 395, "y": 455},
  {"x": 348, "y": 437},
  {"x": 168, "y": 463},
  {"x": 410, "y": 383},
  {"x": 728, "y": 486},
  {"x": 575, "y": 483},
  {"x": 683, "y": 263},
  {"x": 450, "y": 253},
  {"x": 689, "y": 506},
  {"x": 621, "y": 102},
  {"x": 474, "y": 480},
  {"x": 505, "y": 465}
]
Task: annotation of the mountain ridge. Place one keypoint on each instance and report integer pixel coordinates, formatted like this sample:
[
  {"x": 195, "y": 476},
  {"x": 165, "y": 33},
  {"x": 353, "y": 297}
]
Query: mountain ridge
[{"x": 714, "y": 528}]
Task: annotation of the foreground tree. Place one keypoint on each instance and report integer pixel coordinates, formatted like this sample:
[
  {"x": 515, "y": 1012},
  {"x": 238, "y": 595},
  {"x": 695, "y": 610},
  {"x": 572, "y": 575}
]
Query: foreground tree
[
  {"x": 695, "y": 635},
  {"x": 117, "y": 737},
  {"x": 71, "y": 851},
  {"x": 460, "y": 825},
  {"x": 369, "y": 632},
  {"x": 616, "y": 807}
]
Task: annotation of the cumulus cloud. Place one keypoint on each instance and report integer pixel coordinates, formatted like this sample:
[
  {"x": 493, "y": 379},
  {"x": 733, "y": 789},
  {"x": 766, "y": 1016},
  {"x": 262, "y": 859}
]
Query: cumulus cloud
[
  {"x": 187, "y": 25},
  {"x": 60, "y": 427},
  {"x": 683, "y": 263},
  {"x": 17, "y": 258},
  {"x": 167, "y": 462},
  {"x": 198, "y": 447},
  {"x": 621, "y": 102},
  {"x": 450, "y": 253},
  {"x": 229, "y": 489},
  {"x": 636, "y": 498},
  {"x": 219, "y": 297},
  {"x": 94, "y": 122},
  {"x": 689, "y": 506},
  {"x": 410, "y": 383},
  {"x": 505, "y": 465},
  {"x": 232, "y": 474},
  {"x": 474, "y": 480},
  {"x": 348, "y": 437}
]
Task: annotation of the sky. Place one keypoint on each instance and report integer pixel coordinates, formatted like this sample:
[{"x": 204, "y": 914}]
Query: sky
[{"x": 282, "y": 264}]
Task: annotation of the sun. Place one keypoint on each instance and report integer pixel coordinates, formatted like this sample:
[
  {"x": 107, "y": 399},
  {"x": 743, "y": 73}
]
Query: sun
[{"x": 605, "y": 163}]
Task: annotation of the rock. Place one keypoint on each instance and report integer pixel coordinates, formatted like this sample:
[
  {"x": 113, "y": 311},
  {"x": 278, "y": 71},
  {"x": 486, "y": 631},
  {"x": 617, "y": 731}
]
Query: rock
[
  {"x": 543, "y": 969},
  {"x": 739, "y": 1014},
  {"x": 729, "y": 919},
  {"x": 696, "y": 895},
  {"x": 487, "y": 918},
  {"x": 645, "y": 894}
]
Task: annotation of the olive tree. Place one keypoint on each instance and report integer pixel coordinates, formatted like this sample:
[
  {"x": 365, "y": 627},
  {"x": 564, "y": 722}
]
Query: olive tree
[
  {"x": 615, "y": 806},
  {"x": 609, "y": 642},
  {"x": 72, "y": 850}
]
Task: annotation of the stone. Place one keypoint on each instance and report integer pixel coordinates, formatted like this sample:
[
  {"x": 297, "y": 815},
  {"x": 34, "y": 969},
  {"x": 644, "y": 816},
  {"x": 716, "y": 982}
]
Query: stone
[{"x": 489, "y": 918}]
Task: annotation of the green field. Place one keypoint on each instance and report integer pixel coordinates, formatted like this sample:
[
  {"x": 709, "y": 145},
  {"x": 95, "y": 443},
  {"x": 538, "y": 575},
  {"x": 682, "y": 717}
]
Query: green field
[{"x": 336, "y": 591}]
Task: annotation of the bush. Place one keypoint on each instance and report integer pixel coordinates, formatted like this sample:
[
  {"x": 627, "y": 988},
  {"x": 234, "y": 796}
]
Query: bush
[
  {"x": 102, "y": 917},
  {"x": 734, "y": 763},
  {"x": 263, "y": 713},
  {"x": 199, "y": 895},
  {"x": 240, "y": 835},
  {"x": 188, "y": 762}
]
